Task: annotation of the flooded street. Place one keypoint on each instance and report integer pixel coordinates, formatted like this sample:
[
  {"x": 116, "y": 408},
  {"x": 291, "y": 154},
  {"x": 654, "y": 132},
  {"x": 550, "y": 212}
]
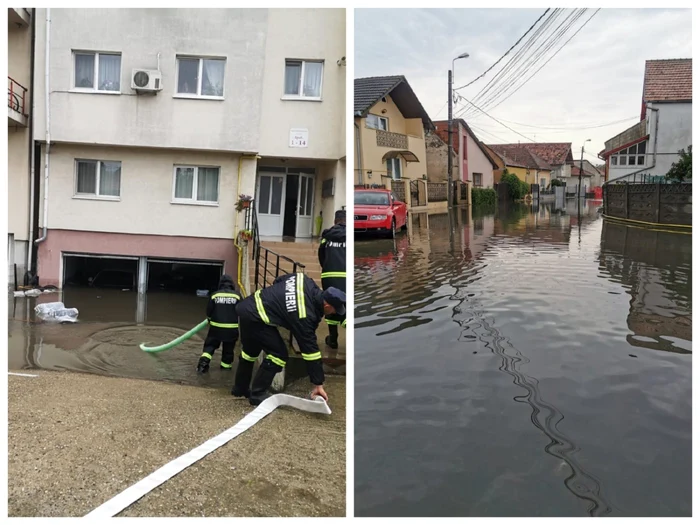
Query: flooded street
[
  {"x": 524, "y": 362},
  {"x": 106, "y": 338}
]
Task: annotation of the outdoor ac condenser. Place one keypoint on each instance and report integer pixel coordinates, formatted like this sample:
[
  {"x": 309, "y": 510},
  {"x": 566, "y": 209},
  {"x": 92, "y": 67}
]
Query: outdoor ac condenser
[{"x": 146, "y": 80}]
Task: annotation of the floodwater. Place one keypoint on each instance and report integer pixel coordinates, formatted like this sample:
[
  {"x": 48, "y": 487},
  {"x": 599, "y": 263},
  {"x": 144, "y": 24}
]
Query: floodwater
[
  {"x": 106, "y": 338},
  {"x": 525, "y": 362}
]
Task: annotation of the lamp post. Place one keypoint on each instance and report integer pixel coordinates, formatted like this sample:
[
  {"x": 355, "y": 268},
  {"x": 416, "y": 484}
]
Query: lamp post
[
  {"x": 580, "y": 170},
  {"x": 450, "y": 199}
]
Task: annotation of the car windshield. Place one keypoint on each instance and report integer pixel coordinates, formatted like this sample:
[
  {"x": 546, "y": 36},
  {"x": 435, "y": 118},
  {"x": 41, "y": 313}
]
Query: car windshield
[{"x": 371, "y": 198}]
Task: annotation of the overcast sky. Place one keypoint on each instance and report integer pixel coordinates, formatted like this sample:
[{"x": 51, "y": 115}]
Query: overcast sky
[{"x": 596, "y": 78}]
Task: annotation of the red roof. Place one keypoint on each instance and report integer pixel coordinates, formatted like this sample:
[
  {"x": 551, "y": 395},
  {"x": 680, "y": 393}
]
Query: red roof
[
  {"x": 518, "y": 155},
  {"x": 668, "y": 80},
  {"x": 552, "y": 153}
]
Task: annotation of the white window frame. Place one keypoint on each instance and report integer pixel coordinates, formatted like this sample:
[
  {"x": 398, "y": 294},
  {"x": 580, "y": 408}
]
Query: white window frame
[
  {"x": 379, "y": 120},
  {"x": 301, "y": 96},
  {"x": 193, "y": 200},
  {"x": 615, "y": 158},
  {"x": 96, "y": 195},
  {"x": 395, "y": 161},
  {"x": 481, "y": 182},
  {"x": 96, "y": 79},
  {"x": 197, "y": 95}
]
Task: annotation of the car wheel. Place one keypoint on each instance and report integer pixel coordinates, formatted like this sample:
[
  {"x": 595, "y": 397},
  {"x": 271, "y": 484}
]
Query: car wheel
[{"x": 405, "y": 223}]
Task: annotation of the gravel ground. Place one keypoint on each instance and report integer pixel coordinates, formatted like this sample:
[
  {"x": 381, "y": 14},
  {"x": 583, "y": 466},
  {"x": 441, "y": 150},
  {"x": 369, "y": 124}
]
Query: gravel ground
[{"x": 76, "y": 440}]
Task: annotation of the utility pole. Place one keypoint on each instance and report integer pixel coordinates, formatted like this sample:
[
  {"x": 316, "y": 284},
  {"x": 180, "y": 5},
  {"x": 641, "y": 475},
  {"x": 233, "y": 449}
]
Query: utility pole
[
  {"x": 580, "y": 172},
  {"x": 449, "y": 138},
  {"x": 450, "y": 185}
]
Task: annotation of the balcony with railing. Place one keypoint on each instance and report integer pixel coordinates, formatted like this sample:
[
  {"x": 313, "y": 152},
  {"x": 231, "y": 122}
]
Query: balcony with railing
[
  {"x": 18, "y": 17},
  {"x": 17, "y": 104}
]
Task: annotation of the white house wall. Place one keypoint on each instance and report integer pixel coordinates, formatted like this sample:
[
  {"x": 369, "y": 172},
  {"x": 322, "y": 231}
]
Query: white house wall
[
  {"x": 162, "y": 120},
  {"x": 675, "y": 132},
  {"x": 478, "y": 162},
  {"x": 317, "y": 34},
  {"x": 146, "y": 191}
]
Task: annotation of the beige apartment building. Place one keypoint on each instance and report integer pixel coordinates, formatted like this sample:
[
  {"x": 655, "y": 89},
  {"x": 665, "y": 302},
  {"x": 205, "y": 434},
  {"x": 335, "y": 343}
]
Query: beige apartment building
[
  {"x": 20, "y": 30},
  {"x": 148, "y": 133}
]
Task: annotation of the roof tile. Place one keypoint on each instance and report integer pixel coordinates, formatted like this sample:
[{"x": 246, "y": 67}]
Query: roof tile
[{"x": 668, "y": 80}]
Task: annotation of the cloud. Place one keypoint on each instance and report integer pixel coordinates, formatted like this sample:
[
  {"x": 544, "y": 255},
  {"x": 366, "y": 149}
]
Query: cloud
[{"x": 596, "y": 78}]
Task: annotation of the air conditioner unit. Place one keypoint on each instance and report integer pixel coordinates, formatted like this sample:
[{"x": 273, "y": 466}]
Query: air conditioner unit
[{"x": 146, "y": 80}]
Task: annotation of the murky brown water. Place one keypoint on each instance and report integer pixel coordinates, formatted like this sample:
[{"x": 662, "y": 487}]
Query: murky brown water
[
  {"x": 106, "y": 338},
  {"x": 111, "y": 326},
  {"x": 527, "y": 362}
]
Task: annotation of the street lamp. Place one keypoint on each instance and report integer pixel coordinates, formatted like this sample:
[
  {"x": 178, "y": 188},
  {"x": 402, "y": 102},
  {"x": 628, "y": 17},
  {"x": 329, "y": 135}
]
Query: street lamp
[
  {"x": 450, "y": 198},
  {"x": 580, "y": 170}
]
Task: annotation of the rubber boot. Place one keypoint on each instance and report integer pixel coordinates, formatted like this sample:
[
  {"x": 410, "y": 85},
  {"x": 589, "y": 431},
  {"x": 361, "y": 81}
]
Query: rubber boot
[
  {"x": 241, "y": 387},
  {"x": 332, "y": 339},
  {"x": 263, "y": 380},
  {"x": 203, "y": 365}
]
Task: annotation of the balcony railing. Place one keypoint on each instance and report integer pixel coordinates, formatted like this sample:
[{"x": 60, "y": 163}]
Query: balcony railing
[
  {"x": 16, "y": 96},
  {"x": 387, "y": 139}
]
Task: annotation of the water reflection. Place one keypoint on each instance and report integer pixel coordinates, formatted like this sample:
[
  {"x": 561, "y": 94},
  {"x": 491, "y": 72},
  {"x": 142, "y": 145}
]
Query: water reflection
[{"x": 548, "y": 299}]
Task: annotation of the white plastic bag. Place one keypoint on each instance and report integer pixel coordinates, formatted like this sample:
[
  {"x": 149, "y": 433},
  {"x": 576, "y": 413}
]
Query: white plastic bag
[{"x": 56, "y": 312}]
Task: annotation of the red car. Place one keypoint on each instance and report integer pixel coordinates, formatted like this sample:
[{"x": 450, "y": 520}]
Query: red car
[{"x": 378, "y": 211}]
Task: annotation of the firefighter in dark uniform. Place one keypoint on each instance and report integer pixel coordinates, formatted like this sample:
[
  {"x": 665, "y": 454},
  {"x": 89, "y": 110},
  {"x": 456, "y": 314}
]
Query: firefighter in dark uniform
[
  {"x": 296, "y": 303},
  {"x": 331, "y": 257},
  {"x": 223, "y": 325}
]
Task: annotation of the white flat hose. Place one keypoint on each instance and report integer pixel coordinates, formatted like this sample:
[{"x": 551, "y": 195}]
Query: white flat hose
[{"x": 134, "y": 493}]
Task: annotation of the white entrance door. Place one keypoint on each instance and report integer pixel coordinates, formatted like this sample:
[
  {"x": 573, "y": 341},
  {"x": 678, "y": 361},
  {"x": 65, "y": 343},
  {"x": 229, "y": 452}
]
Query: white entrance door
[
  {"x": 270, "y": 203},
  {"x": 305, "y": 205}
]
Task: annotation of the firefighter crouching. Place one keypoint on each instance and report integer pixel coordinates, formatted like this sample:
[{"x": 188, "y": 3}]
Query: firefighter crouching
[
  {"x": 223, "y": 325},
  {"x": 293, "y": 302},
  {"x": 331, "y": 256}
]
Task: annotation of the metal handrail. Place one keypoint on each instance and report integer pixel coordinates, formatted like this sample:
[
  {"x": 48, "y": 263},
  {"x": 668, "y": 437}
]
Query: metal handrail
[
  {"x": 269, "y": 265},
  {"x": 16, "y": 96}
]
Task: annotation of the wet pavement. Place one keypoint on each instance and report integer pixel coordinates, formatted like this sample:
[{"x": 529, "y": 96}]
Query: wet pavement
[
  {"x": 530, "y": 361},
  {"x": 77, "y": 440},
  {"x": 111, "y": 326}
]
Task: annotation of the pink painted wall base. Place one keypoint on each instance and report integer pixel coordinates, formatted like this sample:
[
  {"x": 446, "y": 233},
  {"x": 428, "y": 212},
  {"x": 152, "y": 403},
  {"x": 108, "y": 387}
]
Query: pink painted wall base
[{"x": 96, "y": 243}]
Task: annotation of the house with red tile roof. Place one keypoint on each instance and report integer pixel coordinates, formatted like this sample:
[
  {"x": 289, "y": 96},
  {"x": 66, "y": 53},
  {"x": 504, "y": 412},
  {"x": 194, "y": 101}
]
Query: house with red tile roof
[
  {"x": 535, "y": 163},
  {"x": 651, "y": 146}
]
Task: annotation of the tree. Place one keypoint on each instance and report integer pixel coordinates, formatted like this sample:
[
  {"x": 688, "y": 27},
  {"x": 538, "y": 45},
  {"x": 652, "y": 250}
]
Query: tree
[
  {"x": 517, "y": 189},
  {"x": 682, "y": 169}
]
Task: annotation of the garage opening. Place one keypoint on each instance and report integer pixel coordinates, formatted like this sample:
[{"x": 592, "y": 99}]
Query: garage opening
[
  {"x": 100, "y": 272},
  {"x": 183, "y": 276}
]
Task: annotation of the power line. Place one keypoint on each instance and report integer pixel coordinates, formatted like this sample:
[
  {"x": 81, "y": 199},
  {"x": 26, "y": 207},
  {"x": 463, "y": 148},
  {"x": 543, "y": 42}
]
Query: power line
[
  {"x": 501, "y": 123},
  {"x": 571, "y": 128},
  {"x": 510, "y": 83},
  {"x": 547, "y": 62},
  {"x": 484, "y": 132},
  {"x": 506, "y": 53},
  {"x": 514, "y": 59},
  {"x": 509, "y": 80}
]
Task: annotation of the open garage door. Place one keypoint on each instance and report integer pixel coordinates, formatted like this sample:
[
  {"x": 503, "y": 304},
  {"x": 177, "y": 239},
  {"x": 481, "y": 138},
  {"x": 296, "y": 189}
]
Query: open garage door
[
  {"x": 184, "y": 276},
  {"x": 100, "y": 271}
]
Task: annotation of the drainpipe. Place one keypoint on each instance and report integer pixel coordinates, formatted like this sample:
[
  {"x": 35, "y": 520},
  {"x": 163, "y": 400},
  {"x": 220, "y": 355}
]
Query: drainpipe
[
  {"x": 239, "y": 248},
  {"x": 48, "y": 129},
  {"x": 30, "y": 244}
]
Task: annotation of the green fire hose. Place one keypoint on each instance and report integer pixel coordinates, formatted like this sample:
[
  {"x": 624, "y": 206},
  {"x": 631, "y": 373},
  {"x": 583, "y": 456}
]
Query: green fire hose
[{"x": 174, "y": 342}]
